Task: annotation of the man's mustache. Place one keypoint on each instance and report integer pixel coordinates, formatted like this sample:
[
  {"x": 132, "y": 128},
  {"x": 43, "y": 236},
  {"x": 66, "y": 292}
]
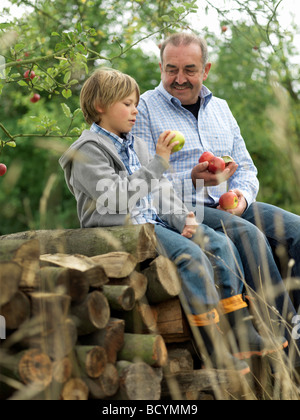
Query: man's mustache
[{"x": 185, "y": 85}]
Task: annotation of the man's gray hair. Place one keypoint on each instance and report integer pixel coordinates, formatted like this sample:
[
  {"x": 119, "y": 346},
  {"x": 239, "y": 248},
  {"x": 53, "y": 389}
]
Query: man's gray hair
[{"x": 186, "y": 39}]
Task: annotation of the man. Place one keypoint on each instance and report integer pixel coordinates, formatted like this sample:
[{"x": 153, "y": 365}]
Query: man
[{"x": 181, "y": 102}]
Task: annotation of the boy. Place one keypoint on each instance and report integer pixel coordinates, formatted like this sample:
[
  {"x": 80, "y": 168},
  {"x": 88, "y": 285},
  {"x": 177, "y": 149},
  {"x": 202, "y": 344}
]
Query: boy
[{"x": 105, "y": 167}]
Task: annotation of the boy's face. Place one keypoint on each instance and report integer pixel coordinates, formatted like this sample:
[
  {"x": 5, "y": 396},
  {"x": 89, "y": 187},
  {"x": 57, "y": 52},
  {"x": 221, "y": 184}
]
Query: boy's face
[{"x": 121, "y": 116}]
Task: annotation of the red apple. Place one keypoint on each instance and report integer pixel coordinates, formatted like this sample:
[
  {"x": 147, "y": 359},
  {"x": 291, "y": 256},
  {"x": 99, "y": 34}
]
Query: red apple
[
  {"x": 36, "y": 97},
  {"x": 229, "y": 201},
  {"x": 216, "y": 165},
  {"x": 3, "y": 169},
  {"x": 206, "y": 157},
  {"x": 224, "y": 28},
  {"x": 29, "y": 75}
]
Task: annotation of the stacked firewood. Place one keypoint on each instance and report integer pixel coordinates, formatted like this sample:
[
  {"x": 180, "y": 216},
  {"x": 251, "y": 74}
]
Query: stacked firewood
[{"x": 93, "y": 313}]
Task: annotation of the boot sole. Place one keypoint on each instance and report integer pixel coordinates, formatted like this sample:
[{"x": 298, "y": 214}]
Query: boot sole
[{"x": 248, "y": 354}]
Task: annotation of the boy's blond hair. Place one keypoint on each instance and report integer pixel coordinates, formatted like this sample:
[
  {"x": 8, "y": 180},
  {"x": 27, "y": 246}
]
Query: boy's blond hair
[{"x": 104, "y": 88}]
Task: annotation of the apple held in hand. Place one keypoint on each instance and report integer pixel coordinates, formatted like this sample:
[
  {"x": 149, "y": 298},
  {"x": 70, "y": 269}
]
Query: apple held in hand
[
  {"x": 216, "y": 165},
  {"x": 229, "y": 201},
  {"x": 178, "y": 137},
  {"x": 3, "y": 169},
  {"x": 206, "y": 157}
]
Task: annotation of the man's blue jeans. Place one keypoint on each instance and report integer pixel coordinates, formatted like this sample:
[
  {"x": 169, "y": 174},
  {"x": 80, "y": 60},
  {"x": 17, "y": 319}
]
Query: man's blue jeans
[
  {"x": 205, "y": 279},
  {"x": 276, "y": 228}
]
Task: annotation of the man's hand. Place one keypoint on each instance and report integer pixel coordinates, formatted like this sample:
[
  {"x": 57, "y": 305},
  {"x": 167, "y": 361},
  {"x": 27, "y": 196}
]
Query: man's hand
[
  {"x": 191, "y": 226},
  {"x": 240, "y": 209},
  {"x": 200, "y": 171}
]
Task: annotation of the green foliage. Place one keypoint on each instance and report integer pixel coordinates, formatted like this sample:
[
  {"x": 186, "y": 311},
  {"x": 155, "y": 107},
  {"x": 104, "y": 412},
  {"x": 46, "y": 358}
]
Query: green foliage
[{"x": 63, "y": 41}]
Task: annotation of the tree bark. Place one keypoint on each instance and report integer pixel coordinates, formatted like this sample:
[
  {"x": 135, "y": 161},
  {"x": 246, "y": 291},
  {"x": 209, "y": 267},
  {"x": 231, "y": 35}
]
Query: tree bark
[
  {"x": 135, "y": 280},
  {"x": 70, "y": 282},
  {"x": 120, "y": 298},
  {"x": 138, "y": 240},
  {"x": 52, "y": 308},
  {"x": 106, "y": 385},
  {"x": 111, "y": 338},
  {"x": 138, "y": 381},
  {"x": 10, "y": 278},
  {"x": 93, "y": 274},
  {"x": 163, "y": 280},
  {"x": 92, "y": 359},
  {"x": 16, "y": 311},
  {"x": 116, "y": 264},
  {"x": 150, "y": 349},
  {"x": 26, "y": 253}
]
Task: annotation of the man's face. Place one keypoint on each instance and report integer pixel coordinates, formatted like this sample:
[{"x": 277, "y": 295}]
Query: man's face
[{"x": 182, "y": 72}]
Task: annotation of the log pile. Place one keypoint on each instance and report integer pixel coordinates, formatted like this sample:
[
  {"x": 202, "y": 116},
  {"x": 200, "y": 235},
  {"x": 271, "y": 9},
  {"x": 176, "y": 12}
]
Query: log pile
[{"x": 93, "y": 314}]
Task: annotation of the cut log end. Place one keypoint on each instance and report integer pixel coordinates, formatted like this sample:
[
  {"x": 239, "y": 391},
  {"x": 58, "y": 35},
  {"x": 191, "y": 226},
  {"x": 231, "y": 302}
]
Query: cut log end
[{"x": 35, "y": 367}]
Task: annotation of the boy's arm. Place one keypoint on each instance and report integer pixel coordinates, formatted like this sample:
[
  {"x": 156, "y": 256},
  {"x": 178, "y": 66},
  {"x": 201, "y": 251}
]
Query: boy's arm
[{"x": 95, "y": 174}]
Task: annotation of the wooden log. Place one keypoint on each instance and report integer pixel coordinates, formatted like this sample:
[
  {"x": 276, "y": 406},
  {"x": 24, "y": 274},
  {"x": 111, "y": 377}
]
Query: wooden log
[
  {"x": 166, "y": 319},
  {"x": 92, "y": 360},
  {"x": 65, "y": 280},
  {"x": 62, "y": 370},
  {"x": 150, "y": 349},
  {"x": 202, "y": 380},
  {"x": 171, "y": 323},
  {"x": 34, "y": 367},
  {"x": 138, "y": 381},
  {"x": 57, "y": 343},
  {"x": 10, "y": 278},
  {"x": 120, "y": 297},
  {"x": 163, "y": 280},
  {"x": 135, "y": 280},
  {"x": 26, "y": 253},
  {"x": 179, "y": 360},
  {"x": 138, "y": 240},
  {"x": 92, "y": 314},
  {"x": 111, "y": 338},
  {"x": 75, "y": 390},
  {"x": 53, "y": 308},
  {"x": 106, "y": 385},
  {"x": 93, "y": 273},
  {"x": 16, "y": 311},
  {"x": 116, "y": 264}
]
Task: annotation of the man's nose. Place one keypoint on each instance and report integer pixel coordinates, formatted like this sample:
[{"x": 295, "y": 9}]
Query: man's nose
[{"x": 181, "y": 78}]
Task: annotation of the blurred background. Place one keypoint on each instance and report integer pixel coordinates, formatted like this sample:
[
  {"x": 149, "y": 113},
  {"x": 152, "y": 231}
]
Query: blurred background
[{"x": 254, "y": 48}]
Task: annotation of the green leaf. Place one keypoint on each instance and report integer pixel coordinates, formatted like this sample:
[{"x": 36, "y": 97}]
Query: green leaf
[
  {"x": 67, "y": 77},
  {"x": 22, "y": 83},
  {"x": 66, "y": 109},
  {"x": 67, "y": 93},
  {"x": 11, "y": 144}
]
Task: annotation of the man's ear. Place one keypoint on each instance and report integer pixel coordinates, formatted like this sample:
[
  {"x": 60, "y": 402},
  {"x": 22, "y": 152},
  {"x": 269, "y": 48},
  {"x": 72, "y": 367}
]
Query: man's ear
[{"x": 206, "y": 71}]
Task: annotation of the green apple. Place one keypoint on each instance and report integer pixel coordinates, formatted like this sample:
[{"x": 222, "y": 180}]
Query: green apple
[{"x": 178, "y": 137}]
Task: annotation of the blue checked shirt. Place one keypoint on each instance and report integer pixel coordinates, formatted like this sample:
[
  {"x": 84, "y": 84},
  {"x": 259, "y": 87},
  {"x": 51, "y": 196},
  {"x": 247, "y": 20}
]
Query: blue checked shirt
[
  {"x": 144, "y": 212},
  {"x": 216, "y": 131}
]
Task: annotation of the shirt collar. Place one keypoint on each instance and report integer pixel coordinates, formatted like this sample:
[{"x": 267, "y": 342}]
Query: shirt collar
[
  {"x": 127, "y": 137},
  {"x": 205, "y": 95}
]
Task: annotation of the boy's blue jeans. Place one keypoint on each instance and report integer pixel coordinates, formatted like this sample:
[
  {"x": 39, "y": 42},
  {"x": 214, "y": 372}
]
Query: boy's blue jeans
[{"x": 205, "y": 279}]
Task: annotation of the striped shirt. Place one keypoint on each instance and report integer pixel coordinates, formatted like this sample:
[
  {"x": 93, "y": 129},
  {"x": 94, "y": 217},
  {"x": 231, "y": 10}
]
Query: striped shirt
[{"x": 216, "y": 130}]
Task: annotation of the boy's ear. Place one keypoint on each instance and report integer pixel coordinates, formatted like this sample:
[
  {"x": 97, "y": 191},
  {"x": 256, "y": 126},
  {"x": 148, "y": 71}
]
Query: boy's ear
[{"x": 100, "y": 109}]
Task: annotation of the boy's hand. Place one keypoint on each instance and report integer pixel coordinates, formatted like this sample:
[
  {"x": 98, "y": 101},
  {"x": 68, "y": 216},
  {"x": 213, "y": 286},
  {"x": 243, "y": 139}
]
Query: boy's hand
[
  {"x": 164, "y": 148},
  {"x": 191, "y": 226}
]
